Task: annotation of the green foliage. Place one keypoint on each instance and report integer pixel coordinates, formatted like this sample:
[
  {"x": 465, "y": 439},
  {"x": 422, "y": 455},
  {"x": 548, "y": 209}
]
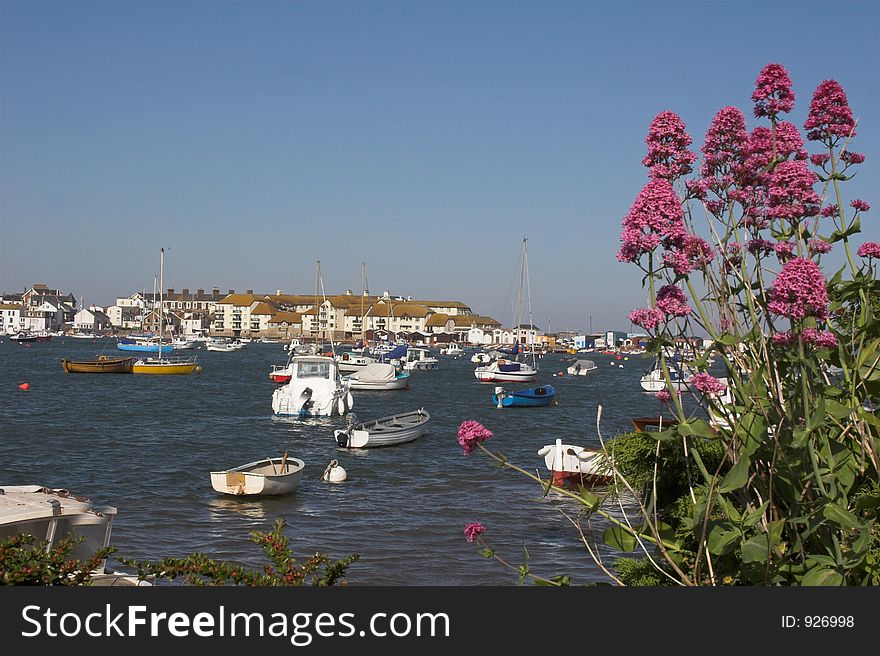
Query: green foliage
[
  {"x": 282, "y": 569},
  {"x": 640, "y": 572},
  {"x": 24, "y": 560}
]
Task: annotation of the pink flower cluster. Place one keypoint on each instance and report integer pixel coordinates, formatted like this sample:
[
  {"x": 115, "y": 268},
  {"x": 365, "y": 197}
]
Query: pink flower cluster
[
  {"x": 784, "y": 339},
  {"x": 473, "y": 530},
  {"x": 830, "y": 211},
  {"x": 819, "y": 247},
  {"x": 799, "y": 291},
  {"x": 707, "y": 383},
  {"x": 664, "y": 396},
  {"x": 672, "y": 301},
  {"x": 773, "y": 93},
  {"x": 655, "y": 216},
  {"x": 693, "y": 253},
  {"x": 859, "y": 205},
  {"x": 784, "y": 250},
  {"x": 725, "y": 147},
  {"x": 759, "y": 247},
  {"x": 668, "y": 155},
  {"x": 869, "y": 249},
  {"x": 791, "y": 192},
  {"x": 819, "y": 338},
  {"x": 647, "y": 318},
  {"x": 470, "y": 434},
  {"x": 830, "y": 117}
]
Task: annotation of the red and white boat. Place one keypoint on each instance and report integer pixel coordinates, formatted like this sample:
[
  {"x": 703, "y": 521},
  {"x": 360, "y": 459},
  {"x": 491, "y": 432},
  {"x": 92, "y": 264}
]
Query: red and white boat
[
  {"x": 575, "y": 466},
  {"x": 281, "y": 373}
]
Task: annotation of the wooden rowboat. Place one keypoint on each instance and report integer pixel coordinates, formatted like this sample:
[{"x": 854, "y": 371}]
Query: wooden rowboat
[
  {"x": 267, "y": 476},
  {"x": 386, "y": 431},
  {"x": 102, "y": 365}
]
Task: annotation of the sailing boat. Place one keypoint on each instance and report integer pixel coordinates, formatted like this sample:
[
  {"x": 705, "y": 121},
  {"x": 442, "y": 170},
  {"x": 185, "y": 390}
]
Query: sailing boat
[
  {"x": 160, "y": 366},
  {"x": 316, "y": 388},
  {"x": 507, "y": 369},
  {"x": 356, "y": 359}
]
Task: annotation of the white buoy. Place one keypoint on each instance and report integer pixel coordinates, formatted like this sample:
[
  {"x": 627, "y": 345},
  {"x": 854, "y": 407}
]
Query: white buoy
[
  {"x": 620, "y": 365},
  {"x": 334, "y": 473}
]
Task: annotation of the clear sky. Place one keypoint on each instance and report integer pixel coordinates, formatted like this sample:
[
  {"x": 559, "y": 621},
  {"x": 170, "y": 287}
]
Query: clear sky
[{"x": 424, "y": 138}]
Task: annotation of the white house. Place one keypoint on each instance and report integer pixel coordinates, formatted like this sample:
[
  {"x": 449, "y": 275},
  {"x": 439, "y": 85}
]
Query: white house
[
  {"x": 10, "y": 318},
  {"x": 91, "y": 319},
  {"x": 46, "y": 316}
]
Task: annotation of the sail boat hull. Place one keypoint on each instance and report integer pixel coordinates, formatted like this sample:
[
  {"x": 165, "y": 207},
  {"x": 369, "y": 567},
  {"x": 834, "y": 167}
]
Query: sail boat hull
[{"x": 158, "y": 367}]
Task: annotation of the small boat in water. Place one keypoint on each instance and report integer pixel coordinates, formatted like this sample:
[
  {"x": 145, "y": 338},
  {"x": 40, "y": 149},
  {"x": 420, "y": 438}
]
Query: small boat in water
[
  {"x": 103, "y": 364},
  {"x": 379, "y": 376},
  {"x": 506, "y": 371},
  {"x": 268, "y": 476},
  {"x": 387, "y": 431},
  {"x": 23, "y": 336},
  {"x": 575, "y": 466},
  {"x": 532, "y": 397},
  {"x": 581, "y": 367},
  {"x": 126, "y": 344},
  {"x": 316, "y": 389}
]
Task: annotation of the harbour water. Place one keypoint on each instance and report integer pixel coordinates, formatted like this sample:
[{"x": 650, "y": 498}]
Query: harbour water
[{"x": 146, "y": 445}]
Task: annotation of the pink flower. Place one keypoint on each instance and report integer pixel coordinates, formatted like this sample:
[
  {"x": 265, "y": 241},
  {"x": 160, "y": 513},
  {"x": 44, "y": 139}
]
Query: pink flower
[
  {"x": 664, "y": 396},
  {"x": 820, "y": 160},
  {"x": 784, "y": 250},
  {"x": 647, "y": 318},
  {"x": 791, "y": 192},
  {"x": 788, "y": 141},
  {"x": 668, "y": 156},
  {"x": 773, "y": 92},
  {"x": 470, "y": 434},
  {"x": 672, "y": 301},
  {"x": 759, "y": 247},
  {"x": 707, "y": 384},
  {"x": 830, "y": 211},
  {"x": 783, "y": 339},
  {"x": 830, "y": 117},
  {"x": 655, "y": 214},
  {"x": 852, "y": 158},
  {"x": 725, "y": 145},
  {"x": 799, "y": 291},
  {"x": 819, "y": 338},
  {"x": 819, "y": 247},
  {"x": 473, "y": 531},
  {"x": 869, "y": 249},
  {"x": 859, "y": 205}
]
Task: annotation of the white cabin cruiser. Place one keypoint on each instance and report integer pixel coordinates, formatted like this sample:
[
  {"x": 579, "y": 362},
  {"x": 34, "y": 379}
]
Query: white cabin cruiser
[{"x": 316, "y": 389}]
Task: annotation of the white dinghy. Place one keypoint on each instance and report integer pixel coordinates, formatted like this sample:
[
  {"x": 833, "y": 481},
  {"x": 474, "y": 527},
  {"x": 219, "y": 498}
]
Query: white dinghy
[
  {"x": 267, "y": 476},
  {"x": 386, "y": 431}
]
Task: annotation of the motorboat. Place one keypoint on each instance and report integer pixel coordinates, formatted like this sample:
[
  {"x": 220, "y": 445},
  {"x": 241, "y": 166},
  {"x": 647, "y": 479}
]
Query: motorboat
[
  {"x": 451, "y": 349},
  {"x": 575, "y": 466},
  {"x": 315, "y": 389},
  {"x": 387, "y": 431},
  {"x": 532, "y": 397},
  {"x": 506, "y": 371},
  {"x": 653, "y": 380},
  {"x": 418, "y": 359},
  {"x": 350, "y": 362},
  {"x": 143, "y": 346},
  {"x": 581, "y": 367},
  {"x": 379, "y": 376},
  {"x": 270, "y": 476}
]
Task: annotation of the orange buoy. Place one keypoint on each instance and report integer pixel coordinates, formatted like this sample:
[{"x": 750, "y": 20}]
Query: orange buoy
[{"x": 24, "y": 386}]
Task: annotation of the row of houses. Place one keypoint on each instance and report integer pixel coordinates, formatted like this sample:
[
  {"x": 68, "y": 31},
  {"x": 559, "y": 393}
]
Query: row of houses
[{"x": 278, "y": 315}]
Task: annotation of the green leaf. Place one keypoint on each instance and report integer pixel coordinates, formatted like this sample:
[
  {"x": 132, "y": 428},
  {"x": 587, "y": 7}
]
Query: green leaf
[
  {"x": 836, "y": 409},
  {"x": 822, "y": 576},
  {"x": 620, "y": 538},
  {"x": 842, "y": 516},
  {"x": 737, "y": 477},
  {"x": 698, "y": 428},
  {"x": 753, "y": 517},
  {"x": 723, "y": 537},
  {"x": 867, "y": 502},
  {"x": 755, "y": 549}
]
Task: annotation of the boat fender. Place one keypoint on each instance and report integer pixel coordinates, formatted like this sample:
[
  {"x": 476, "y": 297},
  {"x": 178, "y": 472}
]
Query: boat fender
[
  {"x": 334, "y": 473},
  {"x": 24, "y": 386},
  {"x": 340, "y": 406}
]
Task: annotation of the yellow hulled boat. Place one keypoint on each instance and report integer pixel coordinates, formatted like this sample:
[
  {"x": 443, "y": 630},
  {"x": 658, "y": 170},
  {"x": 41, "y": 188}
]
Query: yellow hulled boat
[{"x": 166, "y": 366}]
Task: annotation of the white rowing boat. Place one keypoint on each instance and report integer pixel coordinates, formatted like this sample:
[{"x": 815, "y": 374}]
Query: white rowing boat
[
  {"x": 267, "y": 476},
  {"x": 386, "y": 431}
]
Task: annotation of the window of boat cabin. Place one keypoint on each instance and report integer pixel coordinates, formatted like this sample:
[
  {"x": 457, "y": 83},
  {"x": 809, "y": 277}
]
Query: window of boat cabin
[{"x": 314, "y": 370}]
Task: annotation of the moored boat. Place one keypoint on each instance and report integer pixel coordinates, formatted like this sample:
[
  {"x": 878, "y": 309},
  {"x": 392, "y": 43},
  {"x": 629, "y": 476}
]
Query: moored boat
[
  {"x": 103, "y": 364},
  {"x": 506, "y": 371},
  {"x": 532, "y": 397},
  {"x": 270, "y": 476},
  {"x": 126, "y": 344},
  {"x": 387, "y": 431},
  {"x": 166, "y": 366},
  {"x": 574, "y": 466},
  {"x": 581, "y": 367},
  {"x": 379, "y": 376},
  {"x": 315, "y": 389}
]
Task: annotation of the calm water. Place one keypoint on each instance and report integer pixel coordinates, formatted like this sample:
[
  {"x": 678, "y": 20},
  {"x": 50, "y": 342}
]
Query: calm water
[{"x": 146, "y": 444}]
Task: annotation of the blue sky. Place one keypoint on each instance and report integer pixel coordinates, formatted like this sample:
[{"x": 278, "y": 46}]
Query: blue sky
[{"x": 423, "y": 138}]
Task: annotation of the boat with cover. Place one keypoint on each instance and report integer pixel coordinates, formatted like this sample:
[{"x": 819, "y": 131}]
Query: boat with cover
[
  {"x": 141, "y": 346},
  {"x": 575, "y": 466},
  {"x": 506, "y": 371},
  {"x": 581, "y": 367},
  {"x": 350, "y": 362},
  {"x": 379, "y": 376},
  {"x": 315, "y": 389},
  {"x": 270, "y": 476},
  {"x": 653, "y": 380},
  {"x": 532, "y": 397},
  {"x": 103, "y": 364},
  {"x": 387, "y": 431}
]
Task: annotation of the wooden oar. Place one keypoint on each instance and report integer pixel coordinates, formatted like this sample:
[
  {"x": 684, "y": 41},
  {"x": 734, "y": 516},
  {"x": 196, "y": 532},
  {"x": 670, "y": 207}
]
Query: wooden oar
[{"x": 284, "y": 463}]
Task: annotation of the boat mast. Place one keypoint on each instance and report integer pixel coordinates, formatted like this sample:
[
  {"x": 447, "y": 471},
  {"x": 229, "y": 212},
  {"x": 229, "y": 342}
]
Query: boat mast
[
  {"x": 525, "y": 257},
  {"x": 363, "y": 293},
  {"x": 161, "y": 306}
]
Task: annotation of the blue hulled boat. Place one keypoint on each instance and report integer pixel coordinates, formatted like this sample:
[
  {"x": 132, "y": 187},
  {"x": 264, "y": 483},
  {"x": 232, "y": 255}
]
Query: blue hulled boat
[
  {"x": 532, "y": 397},
  {"x": 126, "y": 344}
]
